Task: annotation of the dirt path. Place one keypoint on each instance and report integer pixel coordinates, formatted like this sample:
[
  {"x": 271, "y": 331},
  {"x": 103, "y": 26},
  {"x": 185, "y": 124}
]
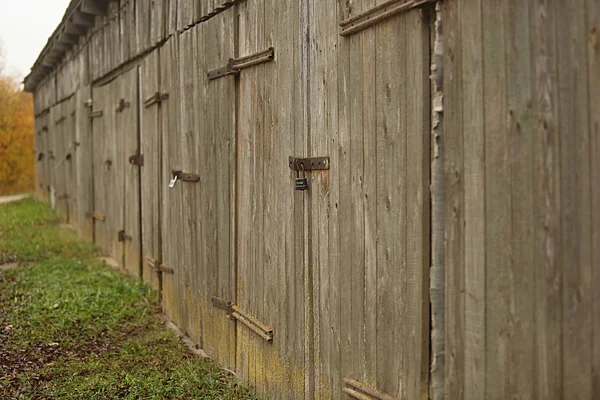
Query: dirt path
[{"x": 8, "y": 199}]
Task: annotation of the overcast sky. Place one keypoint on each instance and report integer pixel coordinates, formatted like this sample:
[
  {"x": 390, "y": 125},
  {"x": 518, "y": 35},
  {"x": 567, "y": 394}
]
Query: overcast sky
[{"x": 25, "y": 26}]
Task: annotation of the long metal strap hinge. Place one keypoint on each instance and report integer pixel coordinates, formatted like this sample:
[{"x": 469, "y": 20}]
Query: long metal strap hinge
[
  {"x": 358, "y": 390},
  {"x": 309, "y": 164},
  {"x": 158, "y": 266},
  {"x": 235, "y": 65},
  {"x": 235, "y": 312},
  {"x": 137, "y": 159},
  {"x": 124, "y": 236},
  {"x": 123, "y": 105},
  {"x": 156, "y": 98},
  {"x": 377, "y": 14},
  {"x": 96, "y": 215}
]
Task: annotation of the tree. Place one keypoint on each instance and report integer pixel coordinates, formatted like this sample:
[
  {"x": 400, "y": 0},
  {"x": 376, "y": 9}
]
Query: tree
[{"x": 16, "y": 134}]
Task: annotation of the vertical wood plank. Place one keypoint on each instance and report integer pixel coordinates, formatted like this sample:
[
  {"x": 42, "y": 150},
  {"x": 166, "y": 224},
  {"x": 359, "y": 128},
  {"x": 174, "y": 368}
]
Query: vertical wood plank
[
  {"x": 475, "y": 268},
  {"x": 495, "y": 144},
  {"x": 416, "y": 368},
  {"x": 575, "y": 201},
  {"x": 521, "y": 271},
  {"x": 548, "y": 315},
  {"x": 592, "y": 11}
]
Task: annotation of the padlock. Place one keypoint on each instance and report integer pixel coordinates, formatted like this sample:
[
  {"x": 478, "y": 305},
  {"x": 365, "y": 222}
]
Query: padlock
[{"x": 301, "y": 184}]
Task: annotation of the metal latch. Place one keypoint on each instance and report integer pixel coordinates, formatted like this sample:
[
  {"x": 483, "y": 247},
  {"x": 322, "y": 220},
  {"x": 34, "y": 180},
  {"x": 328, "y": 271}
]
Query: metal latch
[
  {"x": 307, "y": 164},
  {"x": 358, "y": 390},
  {"x": 182, "y": 176},
  {"x": 156, "y": 98},
  {"x": 136, "y": 159},
  {"x": 158, "y": 266},
  {"x": 123, "y": 105},
  {"x": 234, "y": 66},
  {"x": 123, "y": 236},
  {"x": 96, "y": 215},
  {"x": 235, "y": 312}
]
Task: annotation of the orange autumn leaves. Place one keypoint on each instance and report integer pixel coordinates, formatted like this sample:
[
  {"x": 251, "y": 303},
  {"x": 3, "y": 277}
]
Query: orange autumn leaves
[{"x": 16, "y": 137}]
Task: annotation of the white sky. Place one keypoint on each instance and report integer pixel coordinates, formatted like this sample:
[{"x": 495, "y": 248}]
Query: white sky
[{"x": 25, "y": 26}]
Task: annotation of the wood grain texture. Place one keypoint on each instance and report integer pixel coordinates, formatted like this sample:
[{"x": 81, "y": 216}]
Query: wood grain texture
[
  {"x": 548, "y": 274},
  {"x": 575, "y": 252},
  {"x": 592, "y": 12}
]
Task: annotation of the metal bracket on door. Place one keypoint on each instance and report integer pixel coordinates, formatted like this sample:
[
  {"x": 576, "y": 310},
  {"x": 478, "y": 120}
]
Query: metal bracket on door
[
  {"x": 377, "y": 14},
  {"x": 156, "y": 98},
  {"x": 137, "y": 159},
  {"x": 158, "y": 266},
  {"x": 309, "y": 164},
  {"x": 233, "y": 311},
  {"x": 122, "y": 236},
  {"x": 96, "y": 215},
  {"x": 123, "y": 105},
  {"x": 235, "y": 65},
  {"x": 360, "y": 391},
  {"x": 182, "y": 176}
]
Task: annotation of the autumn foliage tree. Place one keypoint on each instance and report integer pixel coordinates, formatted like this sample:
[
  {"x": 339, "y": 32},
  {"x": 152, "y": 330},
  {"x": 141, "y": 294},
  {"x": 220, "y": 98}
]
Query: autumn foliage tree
[{"x": 16, "y": 135}]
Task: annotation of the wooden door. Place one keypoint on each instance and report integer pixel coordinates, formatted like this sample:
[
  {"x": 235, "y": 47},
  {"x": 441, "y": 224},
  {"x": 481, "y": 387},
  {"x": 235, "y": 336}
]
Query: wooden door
[
  {"x": 369, "y": 112},
  {"x": 271, "y": 270},
  {"x": 83, "y": 160},
  {"x": 108, "y": 212},
  {"x": 127, "y": 132},
  {"x": 151, "y": 172}
]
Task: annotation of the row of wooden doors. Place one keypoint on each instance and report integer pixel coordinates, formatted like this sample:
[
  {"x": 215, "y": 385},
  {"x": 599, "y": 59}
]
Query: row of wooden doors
[{"x": 303, "y": 293}]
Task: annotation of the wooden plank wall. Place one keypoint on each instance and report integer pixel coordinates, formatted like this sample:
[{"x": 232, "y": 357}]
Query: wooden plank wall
[
  {"x": 521, "y": 80},
  {"x": 341, "y": 272}
]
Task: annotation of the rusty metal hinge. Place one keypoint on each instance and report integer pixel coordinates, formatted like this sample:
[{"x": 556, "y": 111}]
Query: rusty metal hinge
[
  {"x": 96, "y": 114},
  {"x": 156, "y": 98},
  {"x": 358, "y": 390},
  {"x": 136, "y": 159},
  {"x": 182, "y": 176},
  {"x": 158, "y": 266},
  {"x": 309, "y": 164},
  {"x": 122, "y": 236},
  {"x": 234, "y": 66},
  {"x": 96, "y": 215},
  {"x": 235, "y": 312},
  {"x": 377, "y": 14},
  {"x": 123, "y": 105}
]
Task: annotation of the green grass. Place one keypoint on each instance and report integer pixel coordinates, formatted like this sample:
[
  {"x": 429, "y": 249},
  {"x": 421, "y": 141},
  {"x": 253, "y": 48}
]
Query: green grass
[{"x": 73, "y": 328}]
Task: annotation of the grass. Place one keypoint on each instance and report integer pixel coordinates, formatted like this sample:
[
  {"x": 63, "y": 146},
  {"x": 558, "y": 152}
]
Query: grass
[{"x": 73, "y": 328}]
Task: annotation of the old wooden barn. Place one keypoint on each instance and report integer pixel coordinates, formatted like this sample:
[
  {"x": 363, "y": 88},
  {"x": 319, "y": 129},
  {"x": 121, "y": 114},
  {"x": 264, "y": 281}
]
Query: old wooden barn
[{"x": 368, "y": 199}]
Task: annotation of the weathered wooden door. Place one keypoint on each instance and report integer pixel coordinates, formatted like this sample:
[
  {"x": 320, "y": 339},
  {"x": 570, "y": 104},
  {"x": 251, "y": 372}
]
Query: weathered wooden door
[
  {"x": 151, "y": 172},
  {"x": 128, "y": 142},
  {"x": 369, "y": 111},
  {"x": 271, "y": 214},
  {"x": 108, "y": 175}
]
